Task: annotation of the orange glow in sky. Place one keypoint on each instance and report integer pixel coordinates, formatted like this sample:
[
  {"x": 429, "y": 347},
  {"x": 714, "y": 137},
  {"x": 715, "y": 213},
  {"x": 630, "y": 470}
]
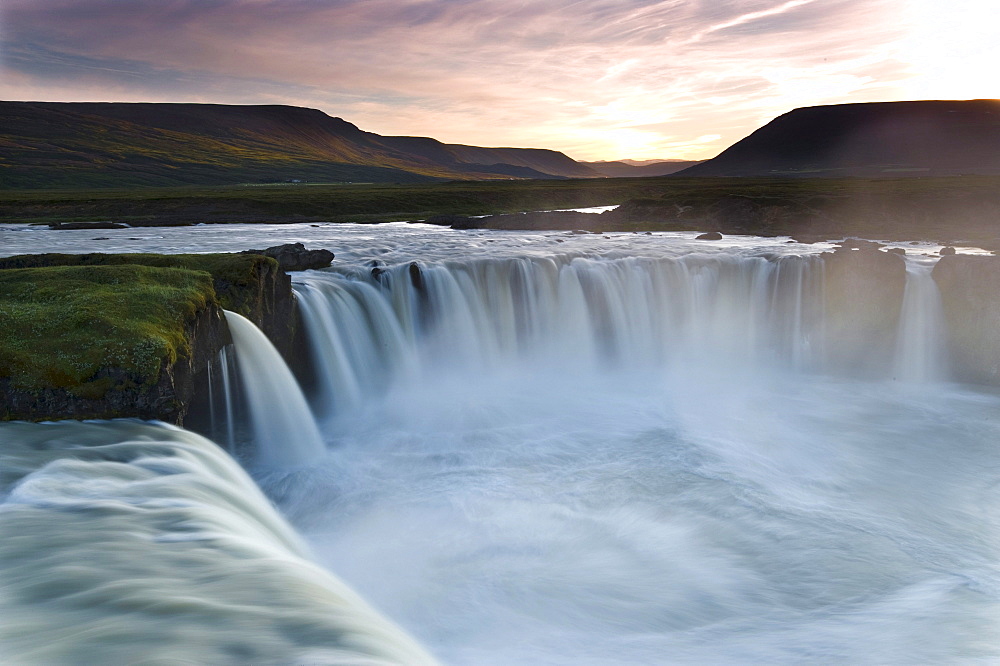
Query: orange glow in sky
[{"x": 596, "y": 79}]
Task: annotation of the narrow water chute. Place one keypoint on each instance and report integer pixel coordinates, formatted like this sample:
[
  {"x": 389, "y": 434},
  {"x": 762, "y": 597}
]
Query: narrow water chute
[
  {"x": 285, "y": 432},
  {"x": 920, "y": 343}
]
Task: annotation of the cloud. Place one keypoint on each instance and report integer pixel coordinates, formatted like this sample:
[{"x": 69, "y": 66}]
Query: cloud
[{"x": 590, "y": 77}]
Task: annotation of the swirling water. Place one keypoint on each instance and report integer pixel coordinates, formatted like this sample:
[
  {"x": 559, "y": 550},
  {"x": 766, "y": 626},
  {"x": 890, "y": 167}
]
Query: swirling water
[
  {"x": 628, "y": 461},
  {"x": 602, "y": 451}
]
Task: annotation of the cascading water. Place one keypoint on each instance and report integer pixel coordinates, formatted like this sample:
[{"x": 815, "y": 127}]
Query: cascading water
[
  {"x": 920, "y": 344},
  {"x": 285, "y": 432},
  {"x": 582, "y": 460},
  {"x": 560, "y": 316},
  {"x": 621, "y": 451},
  {"x": 129, "y": 542}
]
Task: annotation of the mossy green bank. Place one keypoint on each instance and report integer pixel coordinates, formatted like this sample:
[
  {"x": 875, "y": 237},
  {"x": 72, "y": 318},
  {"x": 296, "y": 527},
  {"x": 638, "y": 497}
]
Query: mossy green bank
[
  {"x": 63, "y": 325},
  {"x": 232, "y": 274},
  {"x": 90, "y": 323}
]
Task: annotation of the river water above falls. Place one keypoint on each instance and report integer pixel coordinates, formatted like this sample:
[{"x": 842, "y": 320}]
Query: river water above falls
[{"x": 632, "y": 450}]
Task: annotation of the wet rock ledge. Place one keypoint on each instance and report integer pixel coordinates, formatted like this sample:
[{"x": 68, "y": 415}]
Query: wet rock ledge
[{"x": 129, "y": 335}]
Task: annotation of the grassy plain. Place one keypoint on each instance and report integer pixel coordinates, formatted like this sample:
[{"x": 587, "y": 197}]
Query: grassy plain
[
  {"x": 938, "y": 206},
  {"x": 315, "y": 202},
  {"x": 949, "y": 209}
]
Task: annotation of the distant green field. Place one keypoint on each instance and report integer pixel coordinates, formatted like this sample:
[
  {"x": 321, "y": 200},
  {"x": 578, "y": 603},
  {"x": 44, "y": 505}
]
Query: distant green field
[
  {"x": 936, "y": 208},
  {"x": 334, "y": 202}
]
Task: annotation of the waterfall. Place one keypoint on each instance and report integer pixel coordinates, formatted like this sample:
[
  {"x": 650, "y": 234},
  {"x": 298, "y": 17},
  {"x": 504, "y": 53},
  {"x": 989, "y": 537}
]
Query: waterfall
[
  {"x": 920, "y": 343},
  {"x": 285, "y": 432},
  {"x": 542, "y": 449},
  {"x": 559, "y": 315},
  {"x": 222, "y": 394},
  {"x": 132, "y": 542}
]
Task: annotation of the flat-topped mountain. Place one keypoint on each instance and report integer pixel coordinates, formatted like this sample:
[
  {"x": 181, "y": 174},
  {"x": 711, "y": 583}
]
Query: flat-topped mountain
[
  {"x": 884, "y": 139},
  {"x": 105, "y": 144}
]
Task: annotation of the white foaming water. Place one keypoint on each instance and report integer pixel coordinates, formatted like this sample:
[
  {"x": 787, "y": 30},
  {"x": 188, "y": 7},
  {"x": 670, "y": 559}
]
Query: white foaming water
[
  {"x": 128, "y": 542},
  {"x": 920, "y": 345},
  {"x": 573, "y": 460},
  {"x": 623, "y": 521},
  {"x": 285, "y": 433},
  {"x": 558, "y": 315},
  {"x": 577, "y": 450}
]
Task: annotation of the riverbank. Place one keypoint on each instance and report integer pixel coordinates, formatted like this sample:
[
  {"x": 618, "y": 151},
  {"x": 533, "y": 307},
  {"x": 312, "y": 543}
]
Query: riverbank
[
  {"x": 95, "y": 336},
  {"x": 949, "y": 209},
  {"x": 946, "y": 210}
]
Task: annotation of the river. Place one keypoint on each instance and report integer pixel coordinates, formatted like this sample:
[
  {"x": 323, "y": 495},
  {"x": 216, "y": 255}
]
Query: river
[{"x": 536, "y": 448}]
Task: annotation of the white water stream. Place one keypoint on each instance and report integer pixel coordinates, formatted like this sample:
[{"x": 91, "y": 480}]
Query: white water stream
[
  {"x": 284, "y": 429},
  {"x": 629, "y": 450},
  {"x": 126, "y": 542}
]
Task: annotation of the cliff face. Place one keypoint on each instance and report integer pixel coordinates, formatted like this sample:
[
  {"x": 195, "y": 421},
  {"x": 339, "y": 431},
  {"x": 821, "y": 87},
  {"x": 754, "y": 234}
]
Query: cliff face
[
  {"x": 129, "y": 394},
  {"x": 970, "y": 296},
  {"x": 863, "y": 291},
  {"x": 84, "y": 364}
]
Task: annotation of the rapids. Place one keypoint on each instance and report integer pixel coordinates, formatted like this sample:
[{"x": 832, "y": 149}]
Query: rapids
[
  {"x": 537, "y": 448},
  {"x": 131, "y": 542}
]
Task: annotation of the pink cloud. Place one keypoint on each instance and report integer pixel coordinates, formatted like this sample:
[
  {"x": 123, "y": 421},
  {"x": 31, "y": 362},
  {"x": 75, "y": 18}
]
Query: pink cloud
[{"x": 590, "y": 77}]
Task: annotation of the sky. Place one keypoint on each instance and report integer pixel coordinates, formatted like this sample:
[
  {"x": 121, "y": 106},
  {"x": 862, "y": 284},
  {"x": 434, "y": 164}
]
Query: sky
[{"x": 596, "y": 79}]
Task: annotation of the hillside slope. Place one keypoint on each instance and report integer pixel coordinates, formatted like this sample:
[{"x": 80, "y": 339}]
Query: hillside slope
[
  {"x": 884, "y": 139},
  {"x": 625, "y": 169},
  {"x": 82, "y": 144}
]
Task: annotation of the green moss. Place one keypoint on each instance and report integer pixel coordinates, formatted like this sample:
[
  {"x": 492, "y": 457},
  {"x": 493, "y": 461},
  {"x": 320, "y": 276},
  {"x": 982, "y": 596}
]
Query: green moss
[
  {"x": 233, "y": 274},
  {"x": 71, "y": 326}
]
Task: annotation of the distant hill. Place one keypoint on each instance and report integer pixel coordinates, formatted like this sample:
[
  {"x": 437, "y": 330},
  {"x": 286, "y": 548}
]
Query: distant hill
[
  {"x": 885, "y": 139},
  {"x": 639, "y": 169},
  {"x": 94, "y": 144}
]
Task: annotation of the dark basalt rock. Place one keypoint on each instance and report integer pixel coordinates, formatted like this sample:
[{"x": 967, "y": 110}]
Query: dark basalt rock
[
  {"x": 858, "y": 244},
  {"x": 711, "y": 235},
  {"x": 947, "y": 251},
  {"x": 87, "y": 225},
  {"x": 295, "y": 256},
  {"x": 453, "y": 221},
  {"x": 416, "y": 277},
  {"x": 863, "y": 292},
  {"x": 969, "y": 295}
]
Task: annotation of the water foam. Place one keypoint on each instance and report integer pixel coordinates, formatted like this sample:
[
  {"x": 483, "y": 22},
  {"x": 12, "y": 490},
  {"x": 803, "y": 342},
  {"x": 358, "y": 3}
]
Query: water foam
[{"x": 128, "y": 541}]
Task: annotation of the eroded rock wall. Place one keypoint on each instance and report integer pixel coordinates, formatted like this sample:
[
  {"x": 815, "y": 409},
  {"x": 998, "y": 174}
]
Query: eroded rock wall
[
  {"x": 970, "y": 297},
  {"x": 863, "y": 297},
  {"x": 167, "y": 399}
]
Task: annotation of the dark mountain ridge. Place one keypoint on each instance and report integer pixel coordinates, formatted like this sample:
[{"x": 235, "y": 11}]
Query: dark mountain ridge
[
  {"x": 879, "y": 139},
  {"x": 644, "y": 169},
  {"x": 109, "y": 144}
]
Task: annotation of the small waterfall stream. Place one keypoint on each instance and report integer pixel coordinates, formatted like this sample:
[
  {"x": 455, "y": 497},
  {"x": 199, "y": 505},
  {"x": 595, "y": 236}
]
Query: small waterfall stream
[
  {"x": 285, "y": 432},
  {"x": 920, "y": 344}
]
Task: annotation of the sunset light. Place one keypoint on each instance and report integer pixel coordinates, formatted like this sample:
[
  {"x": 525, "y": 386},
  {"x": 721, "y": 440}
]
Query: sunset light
[
  {"x": 596, "y": 80},
  {"x": 499, "y": 333},
  {"x": 952, "y": 50}
]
